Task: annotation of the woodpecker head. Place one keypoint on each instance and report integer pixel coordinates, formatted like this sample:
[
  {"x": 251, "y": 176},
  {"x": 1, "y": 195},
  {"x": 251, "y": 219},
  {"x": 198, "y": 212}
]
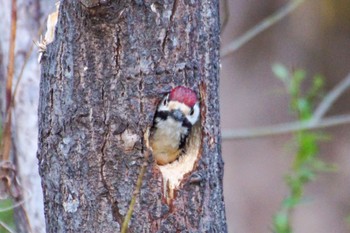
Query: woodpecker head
[{"x": 181, "y": 104}]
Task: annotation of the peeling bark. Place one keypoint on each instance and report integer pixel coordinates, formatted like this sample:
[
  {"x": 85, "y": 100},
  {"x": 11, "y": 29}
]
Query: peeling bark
[{"x": 101, "y": 80}]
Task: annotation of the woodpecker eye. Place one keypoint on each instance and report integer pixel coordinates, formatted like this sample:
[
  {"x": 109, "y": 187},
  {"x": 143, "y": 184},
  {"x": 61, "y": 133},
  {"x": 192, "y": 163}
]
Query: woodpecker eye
[{"x": 192, "y": 111}]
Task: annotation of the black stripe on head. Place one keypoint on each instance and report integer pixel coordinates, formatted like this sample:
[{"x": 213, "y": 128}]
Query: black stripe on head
[
  {"x": 183, "y": 138},
  {"x": 163, "y": 115},
  {"x": 186, "y": 123}
]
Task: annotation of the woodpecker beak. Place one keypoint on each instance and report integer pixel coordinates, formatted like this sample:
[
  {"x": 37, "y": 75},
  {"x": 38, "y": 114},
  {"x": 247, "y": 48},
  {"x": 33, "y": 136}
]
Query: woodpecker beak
[{"x": 178, "y": 115}]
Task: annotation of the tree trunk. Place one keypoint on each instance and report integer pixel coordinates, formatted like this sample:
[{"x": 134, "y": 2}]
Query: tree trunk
[{"x": 102, "y": 78}]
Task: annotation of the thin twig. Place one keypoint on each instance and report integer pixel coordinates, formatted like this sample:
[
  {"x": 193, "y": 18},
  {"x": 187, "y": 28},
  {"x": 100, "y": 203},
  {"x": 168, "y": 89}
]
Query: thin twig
[
  {"x": 6, "y": 142},
  {"x": 11, "y": 65},
  {"x": 6, "y": 227},
  {"x": 29, "y": 53},
  {"x": 138, "y": 184},
  {"x": 330, "y": 98},
  {"x": 18, "y": 204},
  {"x": 26, "y": 59},
  {"x": 266, "y": 23},
  {"x": 225, "y": 14},
  {"x": 285, "y": 128},
  {"x": 314, "y": 123},
  {"x": 13, "y": 206},
  {"x": 133, "y": 199}
]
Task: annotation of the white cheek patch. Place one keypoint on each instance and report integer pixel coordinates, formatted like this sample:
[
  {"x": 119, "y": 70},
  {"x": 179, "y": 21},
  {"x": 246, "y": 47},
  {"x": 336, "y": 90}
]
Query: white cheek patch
[
  {"x": 195, "y": 116},
  {"x": 163, "y": 108}
]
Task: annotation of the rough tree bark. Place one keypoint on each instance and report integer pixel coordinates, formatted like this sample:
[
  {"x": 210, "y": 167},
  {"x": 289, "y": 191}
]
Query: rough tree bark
[{"x": 101, "y": 80}]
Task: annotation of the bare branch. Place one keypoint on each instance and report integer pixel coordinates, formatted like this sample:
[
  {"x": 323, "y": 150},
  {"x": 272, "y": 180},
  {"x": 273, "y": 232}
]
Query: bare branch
[
  {"x": 26, "y": 59},
  {"x": 8, "y": 228},
  {"x": 285, "y": 128},
  {"x": 225, "y": 15},
  {"x": 314, "y": 123},
  {"x": 11, "y": 65},
  {"x": 266, "y": 23},
  {"x": 6, "y": 142},
  {"x": 331, "y": 97},
  {"x": 13, "y": 206}
]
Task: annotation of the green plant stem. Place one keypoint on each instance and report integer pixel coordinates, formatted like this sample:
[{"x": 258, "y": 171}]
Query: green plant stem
[
  {"x": 133, "y": 199},
  {"x": 138, "y": 183}
]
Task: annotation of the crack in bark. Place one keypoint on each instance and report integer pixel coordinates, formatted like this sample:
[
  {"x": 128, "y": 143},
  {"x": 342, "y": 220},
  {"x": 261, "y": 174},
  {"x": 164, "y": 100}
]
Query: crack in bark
[
  {"x": 141, "y": 96},
  {"x": 164, "y": 40},
  {"x": 51, "y": 102},
  {"x": 118, "y": 49},
  {"x": 114, "y": 207},
  {"x": 173, "y": 11}
]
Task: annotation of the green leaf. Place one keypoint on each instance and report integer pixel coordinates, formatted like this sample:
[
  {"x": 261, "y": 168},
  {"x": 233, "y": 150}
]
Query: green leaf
[
  {"x": 281, "y": 72},
  {"x": 281, "y": 223},
  {"x": 299, "y": 75}
]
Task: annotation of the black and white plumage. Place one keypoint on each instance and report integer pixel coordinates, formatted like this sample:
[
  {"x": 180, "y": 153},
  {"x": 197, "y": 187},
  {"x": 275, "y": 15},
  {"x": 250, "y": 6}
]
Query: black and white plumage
[{"x": 176, "y": 114}]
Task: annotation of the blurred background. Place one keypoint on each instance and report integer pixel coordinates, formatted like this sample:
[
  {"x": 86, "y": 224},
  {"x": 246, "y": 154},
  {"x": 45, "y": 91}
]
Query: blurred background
[{"x": 315, "y": 38}]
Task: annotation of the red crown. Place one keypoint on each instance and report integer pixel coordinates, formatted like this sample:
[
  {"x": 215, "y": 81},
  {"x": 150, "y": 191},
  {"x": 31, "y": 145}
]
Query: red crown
[{"x": 183, "y": 95}]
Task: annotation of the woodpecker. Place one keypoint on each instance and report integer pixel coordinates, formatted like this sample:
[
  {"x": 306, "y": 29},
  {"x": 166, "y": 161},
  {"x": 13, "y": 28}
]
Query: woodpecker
[{"x": 176, "y": 114}]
